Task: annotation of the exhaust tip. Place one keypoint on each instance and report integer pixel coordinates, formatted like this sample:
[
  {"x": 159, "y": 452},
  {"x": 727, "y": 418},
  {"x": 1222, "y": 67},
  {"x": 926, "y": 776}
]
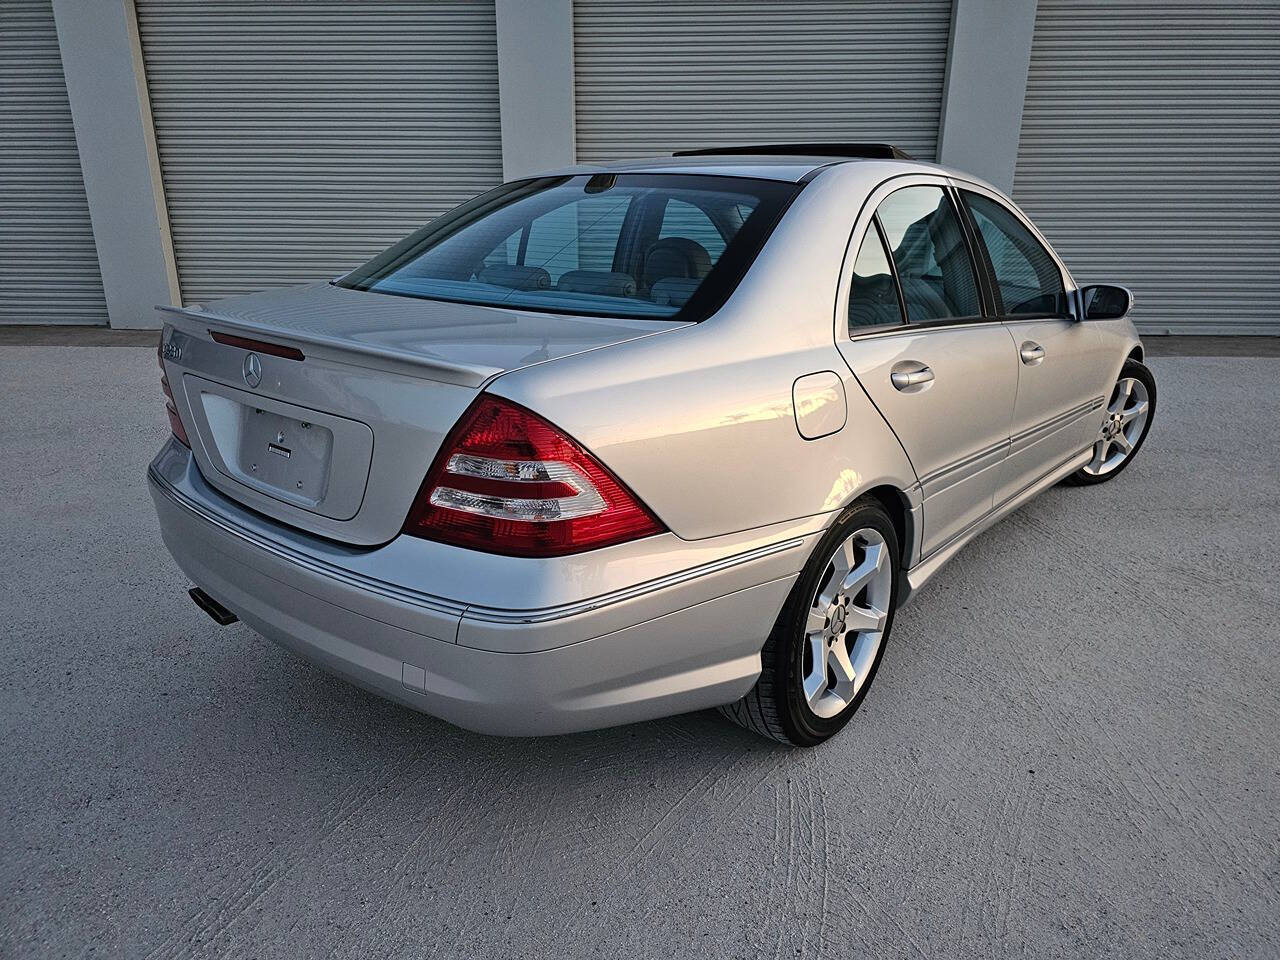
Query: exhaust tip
[{"x": 216, "y": 611}]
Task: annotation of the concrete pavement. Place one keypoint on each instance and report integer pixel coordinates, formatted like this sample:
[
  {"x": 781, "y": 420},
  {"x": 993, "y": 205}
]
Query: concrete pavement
[{"x": 1071, "y": 749}]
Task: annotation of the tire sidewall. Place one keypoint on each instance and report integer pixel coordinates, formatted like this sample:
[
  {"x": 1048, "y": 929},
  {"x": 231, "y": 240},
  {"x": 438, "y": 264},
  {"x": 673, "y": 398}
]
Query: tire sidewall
[{"x": 802, "y": 726}]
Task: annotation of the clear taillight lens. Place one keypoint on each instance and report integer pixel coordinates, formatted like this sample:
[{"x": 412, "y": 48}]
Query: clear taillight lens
[{"x": 507, "y": 481}]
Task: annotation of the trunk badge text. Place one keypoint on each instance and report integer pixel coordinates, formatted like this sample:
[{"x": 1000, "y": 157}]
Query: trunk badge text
[
  {"x": 171, "y": 350},
  {"x": 252, "y": 370}
]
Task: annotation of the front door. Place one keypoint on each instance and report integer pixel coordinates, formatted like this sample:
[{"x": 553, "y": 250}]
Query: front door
[
  {"x": 946, "y": 378},
  {"x": 1061, "y": 369}
]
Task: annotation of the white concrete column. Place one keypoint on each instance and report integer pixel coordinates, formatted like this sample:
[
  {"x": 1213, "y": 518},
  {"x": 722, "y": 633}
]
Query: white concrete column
[
  {"x": 535, "y": 85},
  {"x": 986, "y": 83},
  {"x": 111, "y": 112}
]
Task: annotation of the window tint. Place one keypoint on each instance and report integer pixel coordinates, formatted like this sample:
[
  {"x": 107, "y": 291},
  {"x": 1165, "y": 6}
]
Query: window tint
[
  {"x": 630, "y": 245},
  {"x": 924, "y": 234},
  {"x": 506, "y": 253},
  {"x": 682, "y": 219},
  {"x": 873, "y": 297},
  {"x": 1028, "y": 279},
  {"x": 582, "y": 235}
]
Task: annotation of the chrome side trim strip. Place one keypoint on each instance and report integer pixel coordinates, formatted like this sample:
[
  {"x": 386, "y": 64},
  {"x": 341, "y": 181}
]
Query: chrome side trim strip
[
  {"x": 310, "y": 564},
  {"x": 976, "y": 462},
  {"x": 1059, "y": 420},
  {"x": 966, "y": 467},
  {"x": 441, "y": 604},
  {"x": 494, "y": 615}
]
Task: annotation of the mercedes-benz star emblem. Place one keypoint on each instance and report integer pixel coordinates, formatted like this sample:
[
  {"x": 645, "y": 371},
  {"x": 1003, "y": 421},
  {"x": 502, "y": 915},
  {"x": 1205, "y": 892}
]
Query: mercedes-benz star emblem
[{"x": 252, "y": 370}]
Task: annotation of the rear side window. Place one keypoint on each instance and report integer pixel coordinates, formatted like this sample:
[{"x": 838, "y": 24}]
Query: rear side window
[
  {"x": 626, "y": 245},
  {"x": 928, "y": 246},
  {"x": 873, "y": 296},
  {"x": 1027, "y": 277}
]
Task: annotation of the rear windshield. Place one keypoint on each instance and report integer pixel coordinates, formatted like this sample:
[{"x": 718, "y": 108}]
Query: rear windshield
[{"x": 628, "y": 245}]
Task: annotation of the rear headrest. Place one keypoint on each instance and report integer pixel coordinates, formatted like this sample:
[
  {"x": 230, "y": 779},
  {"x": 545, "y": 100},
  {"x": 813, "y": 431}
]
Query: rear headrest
[
  {"x": 605, "y": 283},
  {"x": 517, "y": 278},
  {"x": 677, "y": 257}
]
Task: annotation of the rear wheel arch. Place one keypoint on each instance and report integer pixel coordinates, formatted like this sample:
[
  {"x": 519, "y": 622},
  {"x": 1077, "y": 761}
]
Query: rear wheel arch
[
  {"x": 781, "y": 705},
  {"x": 898, "y": 507},
  {"x": 1136, "y": 354}
]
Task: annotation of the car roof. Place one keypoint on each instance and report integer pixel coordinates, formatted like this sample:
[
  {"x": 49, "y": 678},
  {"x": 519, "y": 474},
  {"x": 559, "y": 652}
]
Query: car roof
[{"x": 791, "y": 169}]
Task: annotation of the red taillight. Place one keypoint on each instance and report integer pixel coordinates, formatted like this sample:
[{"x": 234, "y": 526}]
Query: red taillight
[
  {"x": 175, "y": 422},
  {"x": 507, "y": 481}
]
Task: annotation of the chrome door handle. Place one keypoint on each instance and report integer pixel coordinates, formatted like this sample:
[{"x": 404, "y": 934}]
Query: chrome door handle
[
  {"x": 905, "y": 379},
  {"x": 1031, "y": 353}
]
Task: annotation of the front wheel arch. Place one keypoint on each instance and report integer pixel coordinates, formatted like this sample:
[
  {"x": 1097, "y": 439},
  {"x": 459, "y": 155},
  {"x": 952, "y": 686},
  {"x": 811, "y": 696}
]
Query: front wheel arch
[{"x": 1091, "y": 473}]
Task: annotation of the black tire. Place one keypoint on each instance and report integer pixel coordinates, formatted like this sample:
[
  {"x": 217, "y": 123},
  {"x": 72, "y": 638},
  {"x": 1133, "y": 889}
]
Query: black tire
[
  {"x": 776, "y": 707},
  {"x": 1138, "y": 371}
]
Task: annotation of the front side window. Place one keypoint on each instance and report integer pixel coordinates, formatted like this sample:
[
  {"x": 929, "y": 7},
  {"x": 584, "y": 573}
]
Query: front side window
[
  {"x": 630, "y": 245},
  {"x": 924, "y": 234},
  {"x": 1027, "y": 277},
  {"x": 873, "y": 295}
]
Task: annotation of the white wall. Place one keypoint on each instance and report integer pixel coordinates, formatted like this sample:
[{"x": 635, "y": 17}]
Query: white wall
[{"x": 102, "y": 62}]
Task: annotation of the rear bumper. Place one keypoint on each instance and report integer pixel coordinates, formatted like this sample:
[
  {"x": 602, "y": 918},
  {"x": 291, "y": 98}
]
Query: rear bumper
[{"x": 680, "y": 642}]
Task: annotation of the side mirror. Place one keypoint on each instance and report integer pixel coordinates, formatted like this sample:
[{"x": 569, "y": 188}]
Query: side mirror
[{"x": 1106, "y": 302}]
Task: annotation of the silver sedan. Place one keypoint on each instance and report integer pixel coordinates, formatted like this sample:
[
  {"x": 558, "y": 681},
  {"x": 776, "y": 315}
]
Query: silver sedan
[{"x": 620, "y": 442}]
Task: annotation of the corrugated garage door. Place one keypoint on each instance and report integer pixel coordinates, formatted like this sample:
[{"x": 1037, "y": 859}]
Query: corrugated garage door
[
  {"x": 48, "y": 261},
  {"x": 298, "y": 139},
  {"x": 654, "y": 76},
  {"x": 1150, "y": 155}
]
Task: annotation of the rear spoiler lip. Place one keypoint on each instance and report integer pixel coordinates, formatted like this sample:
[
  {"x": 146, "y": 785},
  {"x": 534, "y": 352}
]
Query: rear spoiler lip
[{"x": 462, "y": 374}]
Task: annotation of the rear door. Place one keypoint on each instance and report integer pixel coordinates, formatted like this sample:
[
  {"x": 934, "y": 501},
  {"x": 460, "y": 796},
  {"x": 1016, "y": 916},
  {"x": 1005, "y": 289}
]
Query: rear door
[
  {"x": 1061, "y": 369},
  {"x": 942, "y": 372}
]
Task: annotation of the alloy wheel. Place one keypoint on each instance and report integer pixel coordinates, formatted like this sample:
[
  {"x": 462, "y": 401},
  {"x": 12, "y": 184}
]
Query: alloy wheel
[
  {"x": 1123, "y": 427},
  {"x": 846, "y": 622}
]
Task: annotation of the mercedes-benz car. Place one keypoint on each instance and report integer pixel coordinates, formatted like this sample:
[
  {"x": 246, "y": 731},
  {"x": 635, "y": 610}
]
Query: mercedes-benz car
[{"x": 619, "y": 442}]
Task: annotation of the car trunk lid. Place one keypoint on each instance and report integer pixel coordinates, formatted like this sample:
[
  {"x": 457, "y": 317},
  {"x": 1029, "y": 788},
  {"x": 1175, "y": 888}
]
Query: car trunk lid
[{"x": 323, "y": 407}]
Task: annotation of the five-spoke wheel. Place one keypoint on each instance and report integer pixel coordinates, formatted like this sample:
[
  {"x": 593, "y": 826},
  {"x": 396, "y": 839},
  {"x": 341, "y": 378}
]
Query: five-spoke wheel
[
  {"x": 819, "y": 661},
  {"x": 1125, "y": 423},
  {"x": 1125, "y": 426},
  {"x": 846, "y": 622}
]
